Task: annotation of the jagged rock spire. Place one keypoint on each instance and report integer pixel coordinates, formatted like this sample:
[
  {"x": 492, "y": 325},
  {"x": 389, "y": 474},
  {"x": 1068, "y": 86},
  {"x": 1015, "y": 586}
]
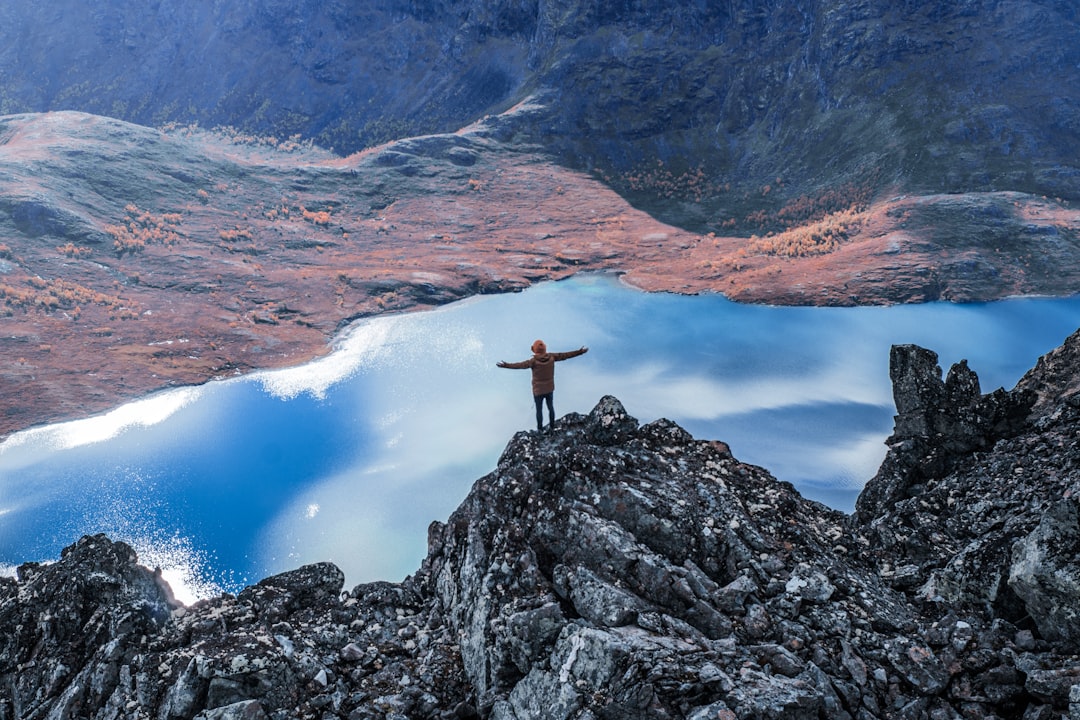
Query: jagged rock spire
[{"x": 938, "y": 424}]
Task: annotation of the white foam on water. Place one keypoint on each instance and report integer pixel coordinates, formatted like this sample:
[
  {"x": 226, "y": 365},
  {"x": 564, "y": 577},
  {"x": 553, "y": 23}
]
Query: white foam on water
[
  {"x": 100, "y": 428},
  {"x": 361, "y": 344},
  {"x": 371, "y": 344}
]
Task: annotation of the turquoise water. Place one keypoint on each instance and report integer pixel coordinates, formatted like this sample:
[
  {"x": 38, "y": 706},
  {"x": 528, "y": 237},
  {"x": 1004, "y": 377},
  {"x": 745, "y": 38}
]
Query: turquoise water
[{"x": 349, "y": 458}]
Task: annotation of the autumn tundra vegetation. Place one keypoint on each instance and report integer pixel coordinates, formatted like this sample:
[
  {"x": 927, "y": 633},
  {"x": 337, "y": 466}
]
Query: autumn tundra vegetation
[{"x": 141, "y": 228}]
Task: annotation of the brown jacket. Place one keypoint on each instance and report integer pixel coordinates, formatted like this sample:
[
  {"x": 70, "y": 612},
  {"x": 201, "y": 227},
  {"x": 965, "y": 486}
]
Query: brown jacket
[{"x": 543, "y": 368}]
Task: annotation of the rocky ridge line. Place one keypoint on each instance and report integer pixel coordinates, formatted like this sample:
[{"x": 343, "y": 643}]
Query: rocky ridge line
[{"x": 616, "y": 570}]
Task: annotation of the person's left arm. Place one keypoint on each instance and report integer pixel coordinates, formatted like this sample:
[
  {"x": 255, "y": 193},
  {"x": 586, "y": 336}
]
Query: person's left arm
[{"x": 571, "y": 354}]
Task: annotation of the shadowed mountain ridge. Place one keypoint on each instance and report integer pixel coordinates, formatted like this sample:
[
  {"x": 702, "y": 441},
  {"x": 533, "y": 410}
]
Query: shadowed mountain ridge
[{"x": 803, "y": 98}]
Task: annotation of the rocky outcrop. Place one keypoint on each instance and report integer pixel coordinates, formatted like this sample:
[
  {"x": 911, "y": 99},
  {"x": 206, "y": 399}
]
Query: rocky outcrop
[
  {"x": 1043, "y": 571},
  {"x": 70, "y": 627},
  {"x": 938, "y": 424},
  {"x": 609, "y": 569},
  {"x": 616, "y": 553},
  {"x": 975, "y": 486}
]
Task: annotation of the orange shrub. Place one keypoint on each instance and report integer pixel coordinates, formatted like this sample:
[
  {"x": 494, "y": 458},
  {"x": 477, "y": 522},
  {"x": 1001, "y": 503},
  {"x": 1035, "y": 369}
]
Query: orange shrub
[
  {"x": 816, "y": 238},
  {"x": 73, "y": 251},
  {"x": 318, "y": 217},
  {"x": 236, "y": 234},
  {"x": 48, "y": 295},
  {"x": 660, "y": 182},
  {"x": 854, "y": 197},
  {"x": 141, "y": 228}
]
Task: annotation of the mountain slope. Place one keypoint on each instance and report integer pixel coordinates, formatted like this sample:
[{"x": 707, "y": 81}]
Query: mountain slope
[
  {"x": 814, "y": 152},
  {"x": 132, "y": 260},
  {"x": 806, "y": 98}
]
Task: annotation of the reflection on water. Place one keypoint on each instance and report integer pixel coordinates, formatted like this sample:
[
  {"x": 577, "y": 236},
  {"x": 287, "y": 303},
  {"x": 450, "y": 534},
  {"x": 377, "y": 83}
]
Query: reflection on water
[{"x": 350, "y": 457}]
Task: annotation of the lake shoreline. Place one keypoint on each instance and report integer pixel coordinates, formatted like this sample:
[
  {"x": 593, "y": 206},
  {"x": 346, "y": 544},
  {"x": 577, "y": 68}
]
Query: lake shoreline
[
  {"x": 221, "y": 271},
  {"x": 136, "y": 388}
]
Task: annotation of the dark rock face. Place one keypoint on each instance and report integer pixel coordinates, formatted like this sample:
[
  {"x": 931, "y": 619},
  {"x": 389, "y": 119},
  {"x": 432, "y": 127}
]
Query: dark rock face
[
  {"x": 938, "y": 424},
  {"x": 1045, "y": 574},
  {"x": 613, "y": 554},
  {"x": 975, "y": 486},
  {"x": 70, "y": 628},
  {"x": 608, "y": 569}
]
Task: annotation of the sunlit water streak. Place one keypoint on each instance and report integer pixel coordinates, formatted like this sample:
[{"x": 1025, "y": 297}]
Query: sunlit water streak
[{"x": 348, "y": 458}]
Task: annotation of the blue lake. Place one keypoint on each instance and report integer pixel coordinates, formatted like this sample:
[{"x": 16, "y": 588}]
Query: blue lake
[{"x": 349, "y": 458}]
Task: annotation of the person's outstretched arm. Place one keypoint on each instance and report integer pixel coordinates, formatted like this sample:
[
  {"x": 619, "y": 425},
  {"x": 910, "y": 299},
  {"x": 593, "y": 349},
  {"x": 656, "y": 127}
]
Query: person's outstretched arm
[
  {"x": 571, "y": 354},
  {"x": 515, "y": 365}
]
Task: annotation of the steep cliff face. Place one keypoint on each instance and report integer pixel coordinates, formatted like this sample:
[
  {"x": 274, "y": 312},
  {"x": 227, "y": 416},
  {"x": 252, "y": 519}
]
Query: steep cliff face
[
  {"x": 973, "y": 507},
  {"x": 807, "y": 97},
  {"x": 349, "y": 74},
  {"x": 609, "y": 569}
]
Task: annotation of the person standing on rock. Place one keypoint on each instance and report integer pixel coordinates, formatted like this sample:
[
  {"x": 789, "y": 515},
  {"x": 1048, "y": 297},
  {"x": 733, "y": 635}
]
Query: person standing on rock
[{"x": 542, "y": 364}]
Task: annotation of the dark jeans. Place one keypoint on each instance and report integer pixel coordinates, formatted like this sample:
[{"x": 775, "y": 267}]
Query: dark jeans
[{"x": 540, "y": 412}]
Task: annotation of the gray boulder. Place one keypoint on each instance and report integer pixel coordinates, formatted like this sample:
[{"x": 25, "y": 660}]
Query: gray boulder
[{"x": 1045, "y": 573}]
